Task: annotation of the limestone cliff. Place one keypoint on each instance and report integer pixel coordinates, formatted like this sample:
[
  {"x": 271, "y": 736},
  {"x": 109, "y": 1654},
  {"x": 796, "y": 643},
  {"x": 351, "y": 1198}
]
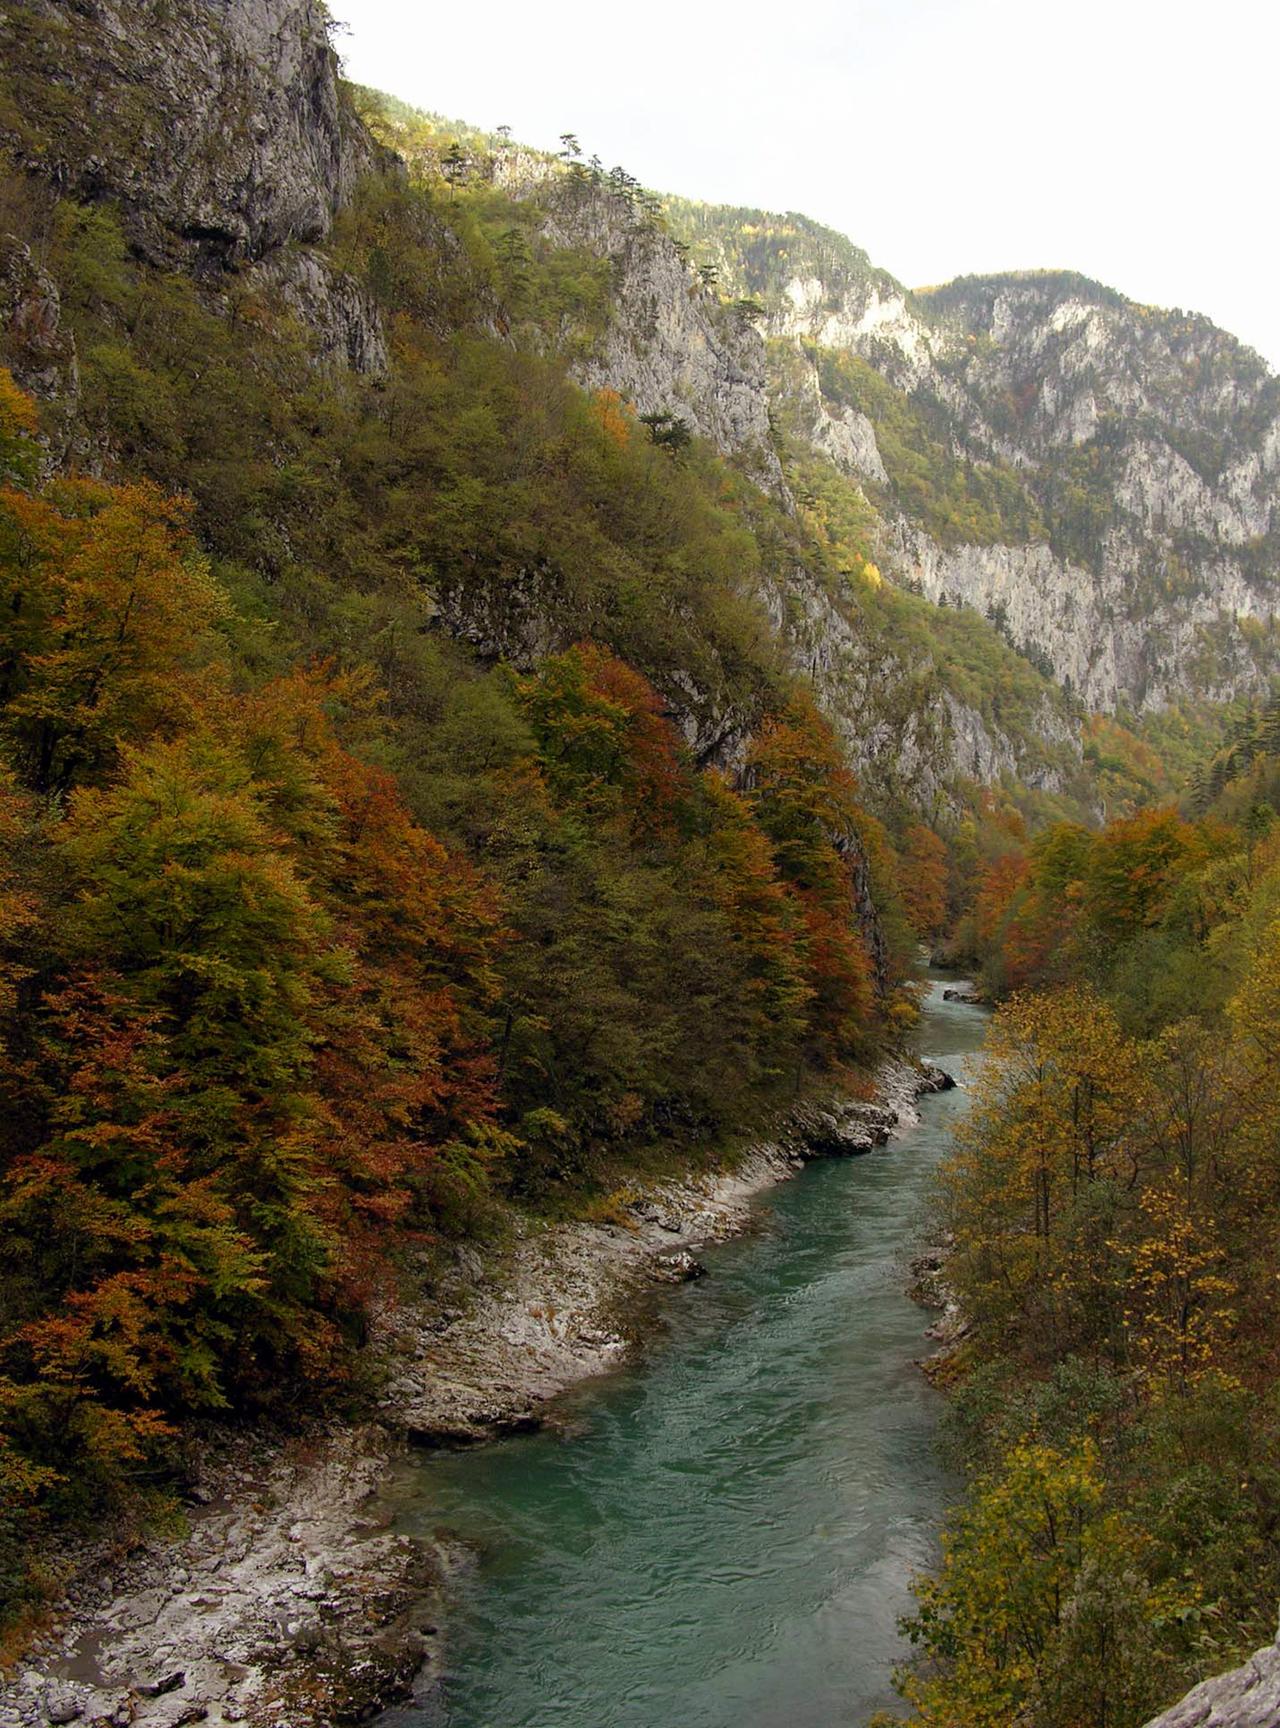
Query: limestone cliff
[
  {"x": 216, "y": 124},
  {"x": 1139, "y": 450},
  {"x": 217, "y": 127},
  {"x": 670, "y": 345}
]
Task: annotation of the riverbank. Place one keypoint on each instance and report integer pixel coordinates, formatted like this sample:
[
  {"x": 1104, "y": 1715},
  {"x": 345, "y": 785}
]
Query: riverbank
[{"x": 289, "y": 1602}]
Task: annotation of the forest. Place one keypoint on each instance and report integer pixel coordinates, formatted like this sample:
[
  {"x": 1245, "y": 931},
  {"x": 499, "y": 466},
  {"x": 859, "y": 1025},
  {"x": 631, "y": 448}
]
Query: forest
[
  {"x": 327, "y": 939},
  {"x": 1111, "y": 1209}
]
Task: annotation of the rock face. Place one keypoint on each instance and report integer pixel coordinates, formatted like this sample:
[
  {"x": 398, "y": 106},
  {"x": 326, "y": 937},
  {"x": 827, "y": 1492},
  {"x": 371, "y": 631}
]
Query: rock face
[
  {"x": 38, "y": 351},
  {"x": 216, "y": 124},
  {"x": 670, "y": 345},
  {"x": 1152, "y": 442},
  {"x": 1148, "y": 444},
  {"x": 1247, "y": 1697},
  {"x": 895, "y": 716},
  {"x": 217, "y": 127}
]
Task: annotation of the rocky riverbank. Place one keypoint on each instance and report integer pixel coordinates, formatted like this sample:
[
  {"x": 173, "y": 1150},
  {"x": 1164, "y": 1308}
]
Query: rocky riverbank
[
  {"x": 930, "y": 1288},
  {"x": 288, "y": 1601}
]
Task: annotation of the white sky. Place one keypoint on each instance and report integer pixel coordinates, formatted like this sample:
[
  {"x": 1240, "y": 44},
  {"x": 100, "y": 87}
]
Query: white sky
[{"x": 1135, "y": 140}]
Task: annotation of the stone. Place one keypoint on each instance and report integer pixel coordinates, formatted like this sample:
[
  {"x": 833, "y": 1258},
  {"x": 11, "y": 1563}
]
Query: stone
[
  {"x": 39, "y": 352},
  {"x": 62, "y": 1703},
  {"x": 170, "y": 1682},
  {"x": 1246, "y": 1697},
  {"x": 677, "y": 1268},
  {"x": 935, "y": 1079}
]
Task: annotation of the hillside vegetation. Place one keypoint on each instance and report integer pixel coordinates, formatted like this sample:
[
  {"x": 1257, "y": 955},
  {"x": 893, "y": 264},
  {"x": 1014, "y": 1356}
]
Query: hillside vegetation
[
  {"x": 438, "y": 788},
  {"x": 328, "y": 935},
  {"x": 1112, "y": 1209}
]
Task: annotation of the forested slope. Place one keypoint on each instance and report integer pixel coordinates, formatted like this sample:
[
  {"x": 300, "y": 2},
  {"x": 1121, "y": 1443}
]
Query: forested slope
[
  {"x": 1112, "y": 1213},
  {"x": 410, "y": 809}
]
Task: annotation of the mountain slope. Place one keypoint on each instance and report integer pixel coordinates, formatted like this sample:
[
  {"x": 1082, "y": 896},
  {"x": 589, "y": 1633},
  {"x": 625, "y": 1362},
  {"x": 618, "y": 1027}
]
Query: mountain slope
[
  {"x": 914, "y": 691},
  {"x": 411, "y": 817},
  {"x": 1100, "y": 476}
]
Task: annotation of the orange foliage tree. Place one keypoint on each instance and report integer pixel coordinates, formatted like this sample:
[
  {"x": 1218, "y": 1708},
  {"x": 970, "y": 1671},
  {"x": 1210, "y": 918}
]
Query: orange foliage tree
[
  {"x": 923, "y": 886},
  {"x": 805, "y": 800}
]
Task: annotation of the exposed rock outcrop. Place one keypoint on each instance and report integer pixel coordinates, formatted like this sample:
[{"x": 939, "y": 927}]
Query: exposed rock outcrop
[
  {"x": 1152, "y": 442},
  {"x": 217, "y": 127},
  {"x": 671, "y": 346},
  {"x": 33, "y": 344},
  {"x": 1246, "y": 1697},
  {"x": 899, "y": 723},
  {"x": 1149, "y": 442},
  {"x": 341, "y": 320}
]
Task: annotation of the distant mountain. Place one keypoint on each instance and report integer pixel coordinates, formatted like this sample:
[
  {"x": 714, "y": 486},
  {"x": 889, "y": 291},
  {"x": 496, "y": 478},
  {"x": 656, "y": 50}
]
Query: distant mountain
[{"x": 1100, "y": 477}]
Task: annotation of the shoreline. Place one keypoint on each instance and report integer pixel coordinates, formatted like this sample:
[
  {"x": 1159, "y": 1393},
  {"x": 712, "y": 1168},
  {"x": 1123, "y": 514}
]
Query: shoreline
[{"x": 289, "y": 1602}]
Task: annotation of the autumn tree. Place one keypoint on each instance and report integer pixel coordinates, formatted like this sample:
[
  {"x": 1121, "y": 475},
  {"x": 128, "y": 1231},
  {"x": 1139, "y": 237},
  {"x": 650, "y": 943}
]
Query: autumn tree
[
  {"x": 924, "y": 879},
  {"x": 1043, "y": 1610},
  {"x": 107, "y": 620},
  {"x": 804, "y": 799}
]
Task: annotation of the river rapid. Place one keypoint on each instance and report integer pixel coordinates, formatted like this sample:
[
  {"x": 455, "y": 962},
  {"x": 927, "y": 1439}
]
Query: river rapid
[{"x": 723, "y": 1534}]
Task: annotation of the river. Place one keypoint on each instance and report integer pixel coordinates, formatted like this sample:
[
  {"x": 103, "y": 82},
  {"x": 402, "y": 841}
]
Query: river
[{"x": 724, "y": 1534}]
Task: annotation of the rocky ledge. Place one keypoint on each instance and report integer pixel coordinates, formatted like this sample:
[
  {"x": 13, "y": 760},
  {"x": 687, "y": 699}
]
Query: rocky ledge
[{"x": 289, "y": 1601}]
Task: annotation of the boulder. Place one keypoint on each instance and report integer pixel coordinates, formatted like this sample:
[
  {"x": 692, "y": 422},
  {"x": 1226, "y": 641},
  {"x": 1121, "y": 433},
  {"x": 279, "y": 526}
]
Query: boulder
[
  {"x": 1246, "y": 1697},
  {"x": 677, "y": 1268},
  {"x": 62, "y": 1703}
]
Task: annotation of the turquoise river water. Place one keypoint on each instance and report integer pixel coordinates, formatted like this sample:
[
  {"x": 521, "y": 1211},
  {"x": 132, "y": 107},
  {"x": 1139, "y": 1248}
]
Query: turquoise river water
[{"x": 724, "y": 1535}]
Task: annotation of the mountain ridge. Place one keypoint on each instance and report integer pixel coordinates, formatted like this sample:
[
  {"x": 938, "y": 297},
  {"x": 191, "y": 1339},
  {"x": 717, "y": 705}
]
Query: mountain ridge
[{"x": 1137, "y": 449}]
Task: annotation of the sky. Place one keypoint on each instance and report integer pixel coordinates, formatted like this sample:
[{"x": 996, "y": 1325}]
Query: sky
[{"x": 1134, "y": 141}]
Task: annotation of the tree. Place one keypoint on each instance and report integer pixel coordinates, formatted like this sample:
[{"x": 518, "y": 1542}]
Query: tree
[
  {"x": 924, "y": 879},
  {"x": 1134, "y": 867},
  {"x": 106, "y": 625},
  {"x": 669, "y": 431},
  {"x": 1052, "y": 1148},
  {"x": 804, "y": 799},
  {"x": 1039, "y": 1586},
  {"x": 603, "y": 737},
  {"x": 19, "y": 429}
]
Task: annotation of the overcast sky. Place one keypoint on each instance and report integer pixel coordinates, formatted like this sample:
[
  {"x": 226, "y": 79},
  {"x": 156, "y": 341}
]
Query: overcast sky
[{"x": 1133, "y": 140}]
